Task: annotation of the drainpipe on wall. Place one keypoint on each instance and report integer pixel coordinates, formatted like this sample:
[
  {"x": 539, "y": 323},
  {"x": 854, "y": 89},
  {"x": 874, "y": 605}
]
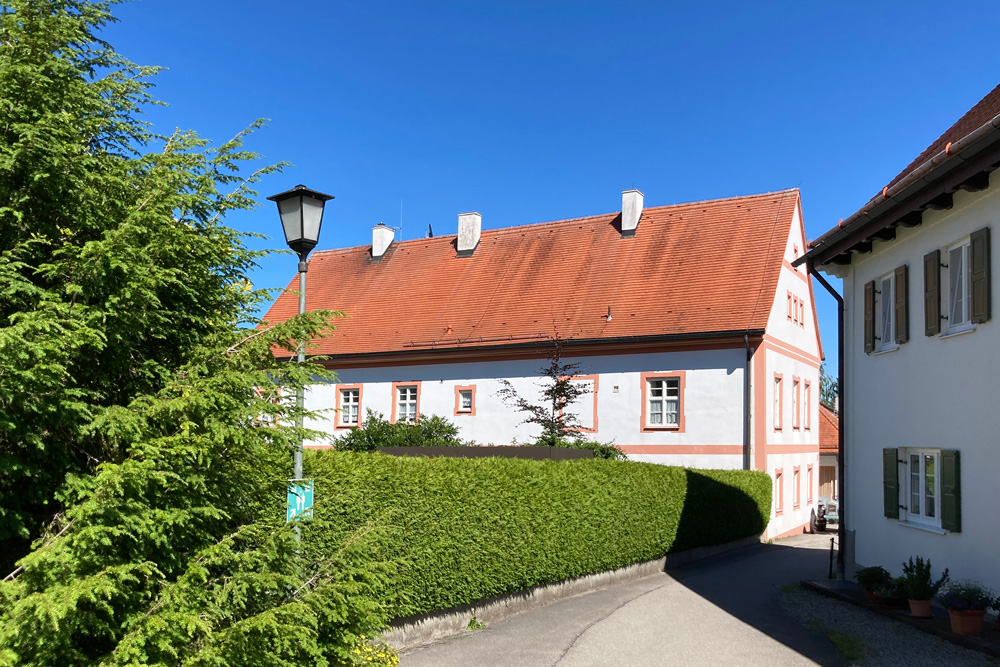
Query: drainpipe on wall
[
  {"x": 842, "y": 421},
  {"x": 747, "y": 459}
]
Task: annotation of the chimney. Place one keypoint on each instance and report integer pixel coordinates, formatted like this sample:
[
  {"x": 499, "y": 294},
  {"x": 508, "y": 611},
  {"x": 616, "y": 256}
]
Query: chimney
[
  {"x": 631, "y": 212},
  {"x": 381, "y": 240},
  {"x": 470, "y": 226}
]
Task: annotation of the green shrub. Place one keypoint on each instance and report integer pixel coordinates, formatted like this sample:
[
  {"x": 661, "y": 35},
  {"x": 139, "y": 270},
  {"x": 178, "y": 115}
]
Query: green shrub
[
  {"x": 461, "y": 530},
  {"x": 873, "y": 578},
  {"x": 601, "y": 450},
  {"x": 920, "y": 585},
  {"x": 376, "y": 431}
]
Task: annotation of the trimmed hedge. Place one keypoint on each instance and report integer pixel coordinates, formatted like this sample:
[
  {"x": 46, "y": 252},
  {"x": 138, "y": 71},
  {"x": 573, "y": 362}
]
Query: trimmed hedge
[{"x": 462, "y": 530}]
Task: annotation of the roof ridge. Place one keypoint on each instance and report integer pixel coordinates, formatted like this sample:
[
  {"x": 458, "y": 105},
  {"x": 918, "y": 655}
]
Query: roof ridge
[{"x": 565, "y": 221}]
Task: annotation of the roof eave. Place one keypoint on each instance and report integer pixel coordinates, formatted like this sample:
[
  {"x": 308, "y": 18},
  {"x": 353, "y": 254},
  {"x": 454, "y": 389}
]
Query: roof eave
[
  {"x": 943, "y": 174},
  {"x": 754, "y": 336}
]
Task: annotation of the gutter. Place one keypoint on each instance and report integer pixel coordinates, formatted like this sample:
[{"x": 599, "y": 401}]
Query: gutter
[
  {"x": 928, "y": 173},
  {"x": 734, "y": 335},
  {"x": 842, "y": 421},
  {"x": 747, "y": 454}
]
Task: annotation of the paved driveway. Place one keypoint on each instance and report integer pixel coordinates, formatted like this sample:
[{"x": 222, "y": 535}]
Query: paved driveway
[{"x": 721, "y": 611}]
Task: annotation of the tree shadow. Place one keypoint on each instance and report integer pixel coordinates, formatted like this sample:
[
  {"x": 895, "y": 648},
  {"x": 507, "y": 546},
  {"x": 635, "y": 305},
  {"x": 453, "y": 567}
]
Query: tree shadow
[
  {"x": 747, "y": 583},
  {"x": 715, "y": 513}
]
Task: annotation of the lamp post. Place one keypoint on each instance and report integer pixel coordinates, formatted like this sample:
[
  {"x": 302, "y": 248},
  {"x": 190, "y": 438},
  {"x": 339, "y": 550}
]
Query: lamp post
[{"x": 301, "y": 211}]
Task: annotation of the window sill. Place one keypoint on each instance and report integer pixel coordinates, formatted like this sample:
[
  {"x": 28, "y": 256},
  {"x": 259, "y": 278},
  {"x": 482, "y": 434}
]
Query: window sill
[
  {"x": 958, "y": 332},
  {"x": 887, "y": 350},
  {"x": 656, "y": 428},
  {"x": 924, "y": 527}
]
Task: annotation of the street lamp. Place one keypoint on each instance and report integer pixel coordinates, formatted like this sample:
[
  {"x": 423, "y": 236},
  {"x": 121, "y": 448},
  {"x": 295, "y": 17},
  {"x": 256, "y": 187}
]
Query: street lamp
[{"x": 301, "y": 211}]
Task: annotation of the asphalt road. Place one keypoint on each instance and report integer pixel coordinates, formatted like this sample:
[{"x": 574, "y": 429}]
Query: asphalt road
[{"x": 720, "y": 611}]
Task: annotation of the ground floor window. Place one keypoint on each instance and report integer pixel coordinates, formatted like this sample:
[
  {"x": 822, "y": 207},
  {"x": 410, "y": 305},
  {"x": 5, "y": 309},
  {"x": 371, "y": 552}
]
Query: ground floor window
[
  {"x": 349, "y": 402},
  {"x": 923, "y": 485},
  {"x": 406, "y": 402}
]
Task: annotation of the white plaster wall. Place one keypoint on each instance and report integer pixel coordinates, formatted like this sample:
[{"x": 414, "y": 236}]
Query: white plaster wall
[
  {"x": 931, "y": 392},
  {"x": 792, "y": 517},
  {"x": 713, "y": 397},
  {"x": 790, "y": 367},
  {"x": 796, "y": 281}
]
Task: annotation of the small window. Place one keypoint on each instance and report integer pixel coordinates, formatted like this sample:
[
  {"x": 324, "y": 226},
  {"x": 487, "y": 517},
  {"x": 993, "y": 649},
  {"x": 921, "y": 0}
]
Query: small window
[
  {"x": 406, "y": 403},
  {"x": 779, "y": 491},
  {"x": 886, "y": 312},
  {"x": 664, "y": 402},
  {"x": 807, "y": 407},
  {"x": 465, "y": 400},
  {"x": 796, "y": 487},
  {"x": 796, "y": 407},
  {"x": 958, "y": 288},
  {"x": 788, "y": 310},
  {"x": 809, "y": 485},
  {"x": 350, "y": 401},
  {"x": 777, "y": 403}
]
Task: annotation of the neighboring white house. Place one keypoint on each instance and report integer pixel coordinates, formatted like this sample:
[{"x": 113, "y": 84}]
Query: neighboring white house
[
  {"x": 922, "y": 357},
  {"x": 664, "y": 308}
]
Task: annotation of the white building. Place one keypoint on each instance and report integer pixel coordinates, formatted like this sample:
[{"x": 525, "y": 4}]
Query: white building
[
  {"x": 694, "y": 333},
  {"x": 922, "y": 367}
]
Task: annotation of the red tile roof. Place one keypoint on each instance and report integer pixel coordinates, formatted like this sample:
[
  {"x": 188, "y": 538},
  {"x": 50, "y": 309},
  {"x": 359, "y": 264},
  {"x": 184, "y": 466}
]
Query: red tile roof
[
  {"x": 829, "y": 429},
  {"x": 691, "y": 268},
  {"x": 983, "y": 112}
]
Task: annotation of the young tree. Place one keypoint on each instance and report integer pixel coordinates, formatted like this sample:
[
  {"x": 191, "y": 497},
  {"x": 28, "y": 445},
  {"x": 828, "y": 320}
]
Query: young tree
[
  {"x": 179, "y": 554},
  {"x": 827, "y": 387},
  {"x": 115, "y": 265},
  {"x": 559, "y": 392}
]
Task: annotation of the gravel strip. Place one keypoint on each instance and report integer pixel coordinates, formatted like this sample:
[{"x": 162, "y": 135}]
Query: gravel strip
[{"x": 882, "y": 641}]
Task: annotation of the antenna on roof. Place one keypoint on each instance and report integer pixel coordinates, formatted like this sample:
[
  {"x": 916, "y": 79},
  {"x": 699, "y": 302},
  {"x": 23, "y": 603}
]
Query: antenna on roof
[{"x": 430, "y": 231}]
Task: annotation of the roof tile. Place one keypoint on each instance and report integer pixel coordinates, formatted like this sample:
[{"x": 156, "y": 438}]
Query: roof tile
[{"x": 691, "y": 268}]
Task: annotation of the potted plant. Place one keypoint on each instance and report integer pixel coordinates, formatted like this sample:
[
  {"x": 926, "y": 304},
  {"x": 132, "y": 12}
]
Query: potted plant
[
  {"x": 873, "y": 579},
  {"x": 920, "y": 586},
  {"x": 966, "y": 602}
]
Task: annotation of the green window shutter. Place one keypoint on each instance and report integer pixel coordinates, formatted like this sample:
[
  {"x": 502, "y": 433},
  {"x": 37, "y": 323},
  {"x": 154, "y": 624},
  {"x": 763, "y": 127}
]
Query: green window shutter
[
  {"x": 901, "y": 304},
  {"x": 932, "y": 293},
  {"x": 869, "y": 317},
  {"x": 979, "y": 275},
  {"x": 890, "y": 483},
  {"x": 951, "y": 491}
]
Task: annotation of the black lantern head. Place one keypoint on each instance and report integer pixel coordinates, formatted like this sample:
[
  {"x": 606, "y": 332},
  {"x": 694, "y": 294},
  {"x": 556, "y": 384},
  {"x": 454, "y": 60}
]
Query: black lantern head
[{"x": 301, "y": 211}]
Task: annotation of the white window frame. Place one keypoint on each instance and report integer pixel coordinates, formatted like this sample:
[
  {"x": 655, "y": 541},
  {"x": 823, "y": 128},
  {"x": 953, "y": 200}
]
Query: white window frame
[
  {"x": 796, "y": 403},
  {"x": 350, "y": 410},
  {"x": 406, "y": 402},
  {"x": 885, "y": 312},
  {"x": 778, "y": 402},
  {"x": 964, "y": 321},
  {"x": 919, "y": 480},
  {"x": 663, "y": 385},
  {"x": 462, "y": 406}
]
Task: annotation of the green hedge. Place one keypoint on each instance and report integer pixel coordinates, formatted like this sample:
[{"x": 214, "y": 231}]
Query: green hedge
[{"x": 466, "y": 529}]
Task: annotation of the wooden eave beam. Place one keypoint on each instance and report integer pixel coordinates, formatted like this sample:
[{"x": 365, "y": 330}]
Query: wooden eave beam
[
  {"x": 887, "y": 234},
  {"x": 942, "y": 202},
  {"x": 976, "y": 183}
]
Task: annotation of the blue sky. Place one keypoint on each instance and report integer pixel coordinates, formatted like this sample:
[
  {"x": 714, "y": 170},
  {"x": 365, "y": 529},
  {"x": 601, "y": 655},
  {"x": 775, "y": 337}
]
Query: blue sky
[{"x": 534, "y": 111}]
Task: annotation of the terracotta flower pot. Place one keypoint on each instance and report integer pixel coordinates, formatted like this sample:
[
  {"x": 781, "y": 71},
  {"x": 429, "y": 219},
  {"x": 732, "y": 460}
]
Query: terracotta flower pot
[
  {"x": 920, "y": 608},
  {"x": 872, "y": 597},
  {"x": 967, "y": 622}
]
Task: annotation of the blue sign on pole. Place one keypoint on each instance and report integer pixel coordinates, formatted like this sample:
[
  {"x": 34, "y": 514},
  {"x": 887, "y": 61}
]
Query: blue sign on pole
[{"x": 300, "y": 499}]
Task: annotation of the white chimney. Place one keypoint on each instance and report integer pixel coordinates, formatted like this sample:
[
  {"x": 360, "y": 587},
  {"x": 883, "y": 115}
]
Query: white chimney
[
  {"x": 631, "y": 211},
  {"x": 470, "y": 227},
  {"x": 381, "y": 240}
]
